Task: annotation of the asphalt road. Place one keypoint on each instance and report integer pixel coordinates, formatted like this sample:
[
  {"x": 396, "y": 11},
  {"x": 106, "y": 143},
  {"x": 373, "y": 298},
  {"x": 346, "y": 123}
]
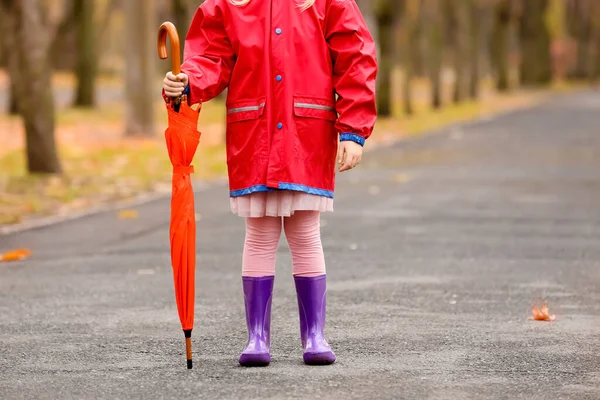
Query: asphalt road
[{"x": 436, "y": 252}]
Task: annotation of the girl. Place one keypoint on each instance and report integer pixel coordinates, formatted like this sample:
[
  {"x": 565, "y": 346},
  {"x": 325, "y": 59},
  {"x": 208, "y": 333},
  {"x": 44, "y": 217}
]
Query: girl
[{"x": 300, "y": 73}]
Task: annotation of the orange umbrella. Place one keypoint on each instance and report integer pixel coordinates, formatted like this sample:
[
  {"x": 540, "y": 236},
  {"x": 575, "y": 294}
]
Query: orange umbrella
[{"x": 182, "y": 140}]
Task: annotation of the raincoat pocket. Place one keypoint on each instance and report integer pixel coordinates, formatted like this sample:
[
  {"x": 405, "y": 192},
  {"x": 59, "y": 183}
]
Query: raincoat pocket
[
  {"x": 314, "y": 107},
  {"x": 315, "y": 127},
  {"x": 245, "y": 110}
]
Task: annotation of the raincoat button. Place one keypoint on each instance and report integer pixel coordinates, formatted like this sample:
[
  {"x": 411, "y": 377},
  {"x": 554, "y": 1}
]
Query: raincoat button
[
  {"x": 278, "y": 78},
  {"x": 279, "y": 125},
  {"x": 278, "y": 31}
]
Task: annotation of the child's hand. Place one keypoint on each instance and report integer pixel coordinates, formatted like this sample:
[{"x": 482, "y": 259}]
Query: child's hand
[
  {"x": 175, "y": 84},
  {"x": 349, "y": 155}
]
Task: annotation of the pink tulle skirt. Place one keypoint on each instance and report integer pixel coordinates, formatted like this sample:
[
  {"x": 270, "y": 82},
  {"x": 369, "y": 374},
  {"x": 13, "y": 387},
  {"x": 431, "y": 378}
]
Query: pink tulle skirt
[{"x": 279, "y": 203}]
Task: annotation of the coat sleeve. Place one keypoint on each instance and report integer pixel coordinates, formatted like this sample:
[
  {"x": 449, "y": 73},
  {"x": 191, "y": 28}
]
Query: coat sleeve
[
  {"x": 354, "y": 56},
  {"x": 208, "y": 55}
]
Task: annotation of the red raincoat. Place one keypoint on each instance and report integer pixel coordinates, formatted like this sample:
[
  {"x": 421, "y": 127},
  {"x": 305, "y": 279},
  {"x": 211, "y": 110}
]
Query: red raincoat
[{"x": 284, "y": 68}]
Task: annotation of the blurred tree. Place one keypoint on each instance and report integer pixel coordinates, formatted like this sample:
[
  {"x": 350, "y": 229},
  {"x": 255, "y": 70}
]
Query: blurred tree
[
  {"x": 536, "y": 68},
  {"x": 367, "y": 10},
  {"x": 411, "y": 18},
  {"x": 474, "y": 17},
  {"x": 433, "y": 21},
  {"x": 500, "y": 49},
  {"x": 83, "y": 11},
  {"x": 579, "y": 24},
  {"x": 595, "y": 43},
  {"x": 12, "y": 97},
  {"x": 140, "y": 56},
  {"x": 26, "y": 33},
  {"x": 183, "y": 12},
  {"x": 13, "y": 108},
  {"x": 62, "y": 56},
  {"x": 387, "y": 14},
  {"x": 181, "y": 17},
  {"x": 457, "y": 35}
]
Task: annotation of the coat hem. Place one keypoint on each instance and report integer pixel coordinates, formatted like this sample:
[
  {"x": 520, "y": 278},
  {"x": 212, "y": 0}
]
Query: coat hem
[{"x": 282, "y": 186}]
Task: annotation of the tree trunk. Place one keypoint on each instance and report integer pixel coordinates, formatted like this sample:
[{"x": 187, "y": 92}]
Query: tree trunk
[
  {"x": 86, "y": 53},
  {"x": 387, "y": 58},
  {"x": 182, "y": 16},
  {"x": 535, "y": 44},
  {"x": 27, "y": 40},
  {"x": 13, "y": 108},
  {"x": 579, "y": 17},
  {"x": 456, "y": 32},
  {"x": 595, "y": 44},
  {"x": 140, "y": 55},
  {"x": 366, "y": 8},
  {"x": 500, "y": 48},
  {"x": 12, "y": 96},
  {"x": 435, "y": 50},
  {"x": 64, "y": 40},
  {"x": 410, "y": 46},
  {"x": 475, "y": 16}
]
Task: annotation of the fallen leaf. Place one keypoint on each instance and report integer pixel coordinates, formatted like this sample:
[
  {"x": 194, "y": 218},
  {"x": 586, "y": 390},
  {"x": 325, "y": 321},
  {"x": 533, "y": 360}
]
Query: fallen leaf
[
  {"x": 15, "y": 255},
  {"x": 128, "y": 214},
  {"x": 542, "y": 314}
]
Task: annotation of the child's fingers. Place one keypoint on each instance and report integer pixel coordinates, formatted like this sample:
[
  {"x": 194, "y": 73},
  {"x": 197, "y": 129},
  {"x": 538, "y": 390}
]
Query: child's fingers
[
  {"x": 341, "y": 151},
  {"x": 173, "y": 92},
  {"x": 183, "y": 78},
  {"x": 347, "y": 164},
  {"x": 173, "y": 84},
  {"x": 172, "y": 77}
]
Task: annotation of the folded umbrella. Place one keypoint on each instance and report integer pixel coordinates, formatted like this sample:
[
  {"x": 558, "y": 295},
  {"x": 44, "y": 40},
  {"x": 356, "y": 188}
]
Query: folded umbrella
[{"x": 182, "y": 139}]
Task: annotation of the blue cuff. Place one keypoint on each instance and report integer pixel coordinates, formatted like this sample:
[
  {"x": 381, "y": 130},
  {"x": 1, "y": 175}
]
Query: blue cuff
[
  {"x": 186, "y": 90},
  {"x": 352, "y": 137}
]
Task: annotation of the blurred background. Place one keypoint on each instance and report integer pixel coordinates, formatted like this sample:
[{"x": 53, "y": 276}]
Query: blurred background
[{"x": 82, "y": 119}]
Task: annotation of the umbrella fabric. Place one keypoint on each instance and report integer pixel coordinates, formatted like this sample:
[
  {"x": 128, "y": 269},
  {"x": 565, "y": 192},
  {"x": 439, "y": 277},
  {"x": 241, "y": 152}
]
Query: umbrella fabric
[{"x": 182, "y": 139}]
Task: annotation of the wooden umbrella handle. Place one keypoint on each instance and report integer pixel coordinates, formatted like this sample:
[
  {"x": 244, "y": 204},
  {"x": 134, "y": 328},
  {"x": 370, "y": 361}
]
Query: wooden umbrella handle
[{"x": 167, "y": 28}]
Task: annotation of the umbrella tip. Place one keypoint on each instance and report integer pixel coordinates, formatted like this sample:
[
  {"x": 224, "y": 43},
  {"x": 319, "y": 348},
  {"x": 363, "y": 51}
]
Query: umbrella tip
[{"x": 189, "y": 364}]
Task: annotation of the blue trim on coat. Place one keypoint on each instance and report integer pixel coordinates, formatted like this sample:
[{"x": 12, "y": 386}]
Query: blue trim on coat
[
  {"x": 306, "y": 189},
  {"x": 352, "y": 137},
  {"x": 249, "y": 190},
  {"x": 282, "y": 186}
]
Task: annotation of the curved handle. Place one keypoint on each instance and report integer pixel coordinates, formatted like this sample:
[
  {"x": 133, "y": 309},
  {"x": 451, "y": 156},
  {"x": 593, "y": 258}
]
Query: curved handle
[{"x": 169, "y": 28}]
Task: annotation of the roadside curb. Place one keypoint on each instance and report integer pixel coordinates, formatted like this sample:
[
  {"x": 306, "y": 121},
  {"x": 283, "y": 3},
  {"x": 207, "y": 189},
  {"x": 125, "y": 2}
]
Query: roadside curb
[{"x": 144, "y": 198}]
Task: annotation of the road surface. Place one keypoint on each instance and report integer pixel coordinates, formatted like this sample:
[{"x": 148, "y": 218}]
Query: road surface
[{"x": 436, "y": 252}]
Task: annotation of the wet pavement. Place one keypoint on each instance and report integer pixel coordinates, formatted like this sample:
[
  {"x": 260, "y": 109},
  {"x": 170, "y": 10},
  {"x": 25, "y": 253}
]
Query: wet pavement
[{"x": 436, "y": 252}]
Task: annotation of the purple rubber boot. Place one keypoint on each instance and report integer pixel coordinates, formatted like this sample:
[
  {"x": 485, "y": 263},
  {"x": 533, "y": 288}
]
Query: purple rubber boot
[
  {"x": 257, "y": 297},
  {"x": 312, "y": 304}
]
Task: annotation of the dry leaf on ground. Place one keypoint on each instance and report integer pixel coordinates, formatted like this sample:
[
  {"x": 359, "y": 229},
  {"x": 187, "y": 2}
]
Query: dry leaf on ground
[
  {"x": 15, "y": 255},
  {"x": 128, "y": 214},
  {"x": 542, "y": 314}
]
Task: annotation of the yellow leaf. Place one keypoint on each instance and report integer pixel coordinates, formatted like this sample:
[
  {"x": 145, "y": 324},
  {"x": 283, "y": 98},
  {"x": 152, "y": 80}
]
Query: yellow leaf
[{"x": 128, "y": 214}]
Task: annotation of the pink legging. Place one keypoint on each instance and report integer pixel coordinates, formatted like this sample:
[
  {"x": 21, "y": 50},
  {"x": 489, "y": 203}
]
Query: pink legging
[{"x": 303, "y": 234}]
